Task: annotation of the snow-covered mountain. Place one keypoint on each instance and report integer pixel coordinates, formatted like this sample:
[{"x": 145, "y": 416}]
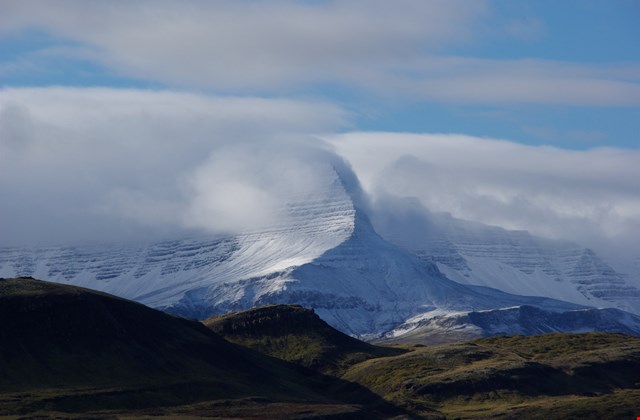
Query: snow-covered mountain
[
  {"x": 512, "y": 261},
  {"x": 323, "y": 253},
  {"x": 160, "y": 274},
  {"x": 365, "y": 285}
]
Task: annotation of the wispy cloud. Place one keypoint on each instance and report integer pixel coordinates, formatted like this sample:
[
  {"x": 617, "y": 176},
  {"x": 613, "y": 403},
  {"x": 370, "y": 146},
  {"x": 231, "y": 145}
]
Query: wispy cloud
[
  {"x": 553, "y": 136},
  {"x": 523, "y": 81}
]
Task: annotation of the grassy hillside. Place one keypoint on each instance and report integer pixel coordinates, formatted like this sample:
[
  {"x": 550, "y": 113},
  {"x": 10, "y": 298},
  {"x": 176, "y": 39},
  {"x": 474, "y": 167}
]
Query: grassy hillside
[
  {"x": 296, "y": 334},
  {"x": 594, "y": 375},
  {"x": 69, "y": 350}
]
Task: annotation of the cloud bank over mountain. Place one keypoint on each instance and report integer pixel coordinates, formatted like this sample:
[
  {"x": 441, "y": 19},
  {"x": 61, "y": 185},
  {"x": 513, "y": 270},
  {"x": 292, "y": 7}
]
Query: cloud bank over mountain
[
  {"x": 592, "y": 196},
  {"x": 100, "y": 164},
  {"x": 112, "y": 164},
  {"x": 179, "y": 117}
]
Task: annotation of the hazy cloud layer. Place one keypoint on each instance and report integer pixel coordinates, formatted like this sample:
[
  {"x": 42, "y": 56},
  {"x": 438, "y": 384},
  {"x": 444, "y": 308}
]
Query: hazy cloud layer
[
  {"x": 390, "y": 48},
  {"x": 101, "y": 164},
  {"x": 241, "y": 44},
  {"x": 592, "y": 197},
  {"x": 527, "y": 81}
]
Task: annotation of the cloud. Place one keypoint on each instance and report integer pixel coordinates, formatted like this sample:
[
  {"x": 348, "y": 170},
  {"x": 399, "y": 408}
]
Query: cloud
[
  {"x": 551, "y": 135},
  {"x": 248, "y": 185},
  {"x": 105, "y": 164},
  {"x": 232, "y": 44},
  {"x": 519, "y": 81},
  {"x": 591, "y": 197},
  {"x": 388, "y": 48}
]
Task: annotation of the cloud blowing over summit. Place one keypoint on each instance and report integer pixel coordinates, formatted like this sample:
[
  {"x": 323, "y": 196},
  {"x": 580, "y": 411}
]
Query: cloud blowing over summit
[{"x": 152, "y": 119}]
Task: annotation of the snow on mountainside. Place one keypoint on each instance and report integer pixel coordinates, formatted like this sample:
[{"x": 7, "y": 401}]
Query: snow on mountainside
[
  {"x": 323, "y": 254},
  {"x": 513, "y": 261},
  {"x": 517, "y": 320},
  {"x": 159, "y": 274},
  {"x": 363, "y": 286}
]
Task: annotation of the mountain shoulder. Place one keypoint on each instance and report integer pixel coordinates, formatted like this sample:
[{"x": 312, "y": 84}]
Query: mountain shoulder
[{"x": 296, "y": 334}]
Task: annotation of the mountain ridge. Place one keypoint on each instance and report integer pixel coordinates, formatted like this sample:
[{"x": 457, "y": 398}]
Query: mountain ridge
[{"x": 512, "y": 261}]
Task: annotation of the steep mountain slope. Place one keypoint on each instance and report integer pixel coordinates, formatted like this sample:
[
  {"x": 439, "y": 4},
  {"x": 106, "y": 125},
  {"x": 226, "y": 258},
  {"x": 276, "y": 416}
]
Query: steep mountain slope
[
  {"x": 366, "y": 285},
  {"x": 512, "y": 261},
  {"x": 75, "y": 350},
  {"x": 296, "y": 334}
]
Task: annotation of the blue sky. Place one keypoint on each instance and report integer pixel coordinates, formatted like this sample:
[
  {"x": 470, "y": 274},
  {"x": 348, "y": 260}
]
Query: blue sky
[{"x": 580, "y": 41}]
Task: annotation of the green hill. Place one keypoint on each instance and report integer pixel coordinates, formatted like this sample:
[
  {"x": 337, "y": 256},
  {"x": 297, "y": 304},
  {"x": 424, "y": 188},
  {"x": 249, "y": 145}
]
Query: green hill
[
  {"x": 74, "y": 351},
  {"x": 296, "y": 334},
  {"x": 595, "y": 375}
]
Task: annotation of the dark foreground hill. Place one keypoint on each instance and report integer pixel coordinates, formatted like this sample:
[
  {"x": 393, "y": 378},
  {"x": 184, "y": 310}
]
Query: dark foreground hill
[
  {"x": 296, "y": 334},
  {"x": 71, "y": 352},
  {"x": 555, "y": 376},
  {"x": 74, "y": 351}
]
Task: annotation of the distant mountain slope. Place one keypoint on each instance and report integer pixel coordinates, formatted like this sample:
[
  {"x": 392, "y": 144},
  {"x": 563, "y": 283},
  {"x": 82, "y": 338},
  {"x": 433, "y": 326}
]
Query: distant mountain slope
[
  {"x": 512, "y": 261},
  {"x": 517, "y": 320},
  {"x": 555, "y": 376},
  {"x": 296, "y": 334},
  {"x": 70, "y": 349}
]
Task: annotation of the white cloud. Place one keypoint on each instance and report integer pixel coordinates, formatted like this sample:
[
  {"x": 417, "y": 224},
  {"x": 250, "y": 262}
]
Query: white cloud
[
  {"x": 523, "y": 81},
  {"x": 246, "y": 44},
  {"x": 392, "y": 48},
  {"x": 592, "y": 196},
  {"x": 82, "y": 164},
  {"x": 103, "y": 164}
]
